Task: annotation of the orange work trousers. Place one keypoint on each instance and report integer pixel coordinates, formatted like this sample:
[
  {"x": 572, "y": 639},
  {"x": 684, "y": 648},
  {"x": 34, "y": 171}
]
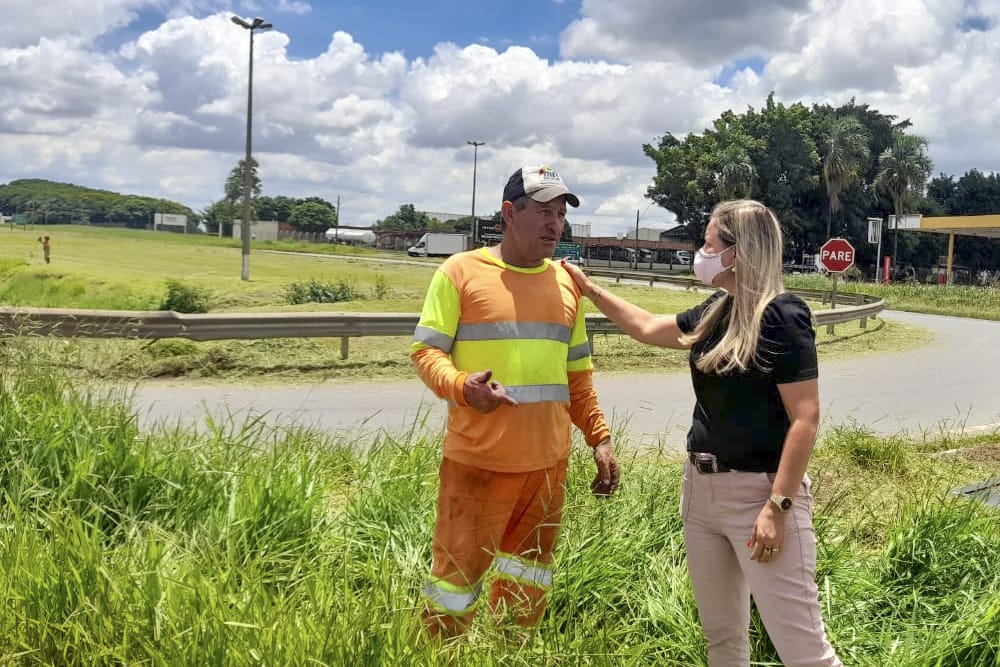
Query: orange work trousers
[{"x": 484, "y": 518}]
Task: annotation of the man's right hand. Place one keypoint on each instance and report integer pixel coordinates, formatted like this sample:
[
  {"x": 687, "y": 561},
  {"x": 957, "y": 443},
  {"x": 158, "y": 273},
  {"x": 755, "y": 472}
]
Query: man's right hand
[{"x": 486, "y": 395}]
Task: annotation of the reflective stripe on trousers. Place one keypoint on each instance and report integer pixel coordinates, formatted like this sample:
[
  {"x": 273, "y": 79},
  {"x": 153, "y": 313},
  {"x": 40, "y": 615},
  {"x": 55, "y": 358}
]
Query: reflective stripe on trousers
[
  {"x": 524, "y": 571},
  {"x": 449, "y": 598}
]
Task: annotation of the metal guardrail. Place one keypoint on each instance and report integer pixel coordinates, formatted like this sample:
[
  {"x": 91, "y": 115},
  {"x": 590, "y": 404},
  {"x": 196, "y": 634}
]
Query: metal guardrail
[{"x": 229, "y": 326}]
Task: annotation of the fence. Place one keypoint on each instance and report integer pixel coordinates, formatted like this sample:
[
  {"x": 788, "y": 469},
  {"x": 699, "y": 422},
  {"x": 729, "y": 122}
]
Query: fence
[
  {"x": 296, "y": 235},
  {"x": 230, "y": 326}
]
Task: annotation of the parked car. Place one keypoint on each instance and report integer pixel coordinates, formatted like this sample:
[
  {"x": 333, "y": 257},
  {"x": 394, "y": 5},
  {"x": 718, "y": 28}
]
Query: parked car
[{"x": 682, "y": 257}]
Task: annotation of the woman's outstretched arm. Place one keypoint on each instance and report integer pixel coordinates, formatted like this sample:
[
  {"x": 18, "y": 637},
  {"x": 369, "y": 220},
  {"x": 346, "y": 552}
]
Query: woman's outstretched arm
[{"x": 639, "y": 323}]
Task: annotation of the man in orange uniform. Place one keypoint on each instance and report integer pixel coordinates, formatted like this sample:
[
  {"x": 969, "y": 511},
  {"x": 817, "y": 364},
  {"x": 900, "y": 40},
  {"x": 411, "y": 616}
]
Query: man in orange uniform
[
  {"x": 503, "y": 339},
  {"x": 46, "y": 247}
]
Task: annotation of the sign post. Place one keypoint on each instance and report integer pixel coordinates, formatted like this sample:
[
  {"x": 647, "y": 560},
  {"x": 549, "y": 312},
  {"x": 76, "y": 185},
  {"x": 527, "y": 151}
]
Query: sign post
[
  {"x": 836, "y": 256},
  {"x": 875, "y": 227}
]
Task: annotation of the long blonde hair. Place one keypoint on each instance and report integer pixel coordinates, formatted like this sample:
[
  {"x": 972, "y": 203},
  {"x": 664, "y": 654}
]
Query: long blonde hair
[{"x": 755, "y": 232}]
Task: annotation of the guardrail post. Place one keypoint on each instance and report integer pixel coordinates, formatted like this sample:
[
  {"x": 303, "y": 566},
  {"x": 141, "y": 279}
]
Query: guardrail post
[
  {"x": 344, "y": 346},
  {"x": 590, "y": 339},
  {"x": 864, "y": 322}
]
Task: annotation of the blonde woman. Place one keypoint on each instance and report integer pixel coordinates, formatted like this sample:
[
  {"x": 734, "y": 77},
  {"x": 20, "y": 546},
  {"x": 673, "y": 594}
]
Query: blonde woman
[{"x": 745, "y": 503}]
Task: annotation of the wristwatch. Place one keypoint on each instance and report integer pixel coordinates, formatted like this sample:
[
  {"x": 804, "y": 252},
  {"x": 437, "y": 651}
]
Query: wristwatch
[{"x": 783, "y": 503}]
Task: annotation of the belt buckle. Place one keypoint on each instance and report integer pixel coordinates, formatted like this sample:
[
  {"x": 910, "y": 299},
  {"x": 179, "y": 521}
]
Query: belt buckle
[{"x": 706, "y": 463}]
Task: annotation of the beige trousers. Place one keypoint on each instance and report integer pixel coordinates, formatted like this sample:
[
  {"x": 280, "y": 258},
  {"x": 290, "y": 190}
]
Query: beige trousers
[{"x": 719, "y": 510}]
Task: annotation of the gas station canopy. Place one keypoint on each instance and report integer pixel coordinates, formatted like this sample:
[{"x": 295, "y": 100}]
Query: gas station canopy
[{"x": 985, "y": 226}]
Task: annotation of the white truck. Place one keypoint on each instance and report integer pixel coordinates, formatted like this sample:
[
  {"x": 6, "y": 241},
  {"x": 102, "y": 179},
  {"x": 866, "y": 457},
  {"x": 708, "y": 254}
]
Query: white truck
[{"x": 438, "y": 244}]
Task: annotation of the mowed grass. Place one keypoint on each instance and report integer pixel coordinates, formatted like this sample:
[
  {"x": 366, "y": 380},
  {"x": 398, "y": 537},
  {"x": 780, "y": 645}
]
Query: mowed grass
[
  {"x": 237, "y": 544},
  {"x": 120, "y": 269}
]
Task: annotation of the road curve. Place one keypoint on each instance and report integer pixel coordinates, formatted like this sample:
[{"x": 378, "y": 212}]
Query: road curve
[{"x": 951, "y": 384}]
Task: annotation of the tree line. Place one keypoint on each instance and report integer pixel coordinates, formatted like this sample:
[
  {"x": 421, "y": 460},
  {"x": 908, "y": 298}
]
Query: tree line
[
  {"x": 46, "y": 202},
  {"x": 824, "y": 171},
  {"x": 307, "y": 214}
]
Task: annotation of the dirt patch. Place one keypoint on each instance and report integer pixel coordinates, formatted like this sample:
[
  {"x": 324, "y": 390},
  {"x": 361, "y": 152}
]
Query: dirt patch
[{"x": 983, "y": 454}]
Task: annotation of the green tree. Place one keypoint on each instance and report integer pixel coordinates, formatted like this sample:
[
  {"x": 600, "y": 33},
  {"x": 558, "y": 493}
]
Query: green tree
[
  {"x": 274, "y": 208},
  {"x": 312, "y": 216},
  {"x": 903, "y": 171},
  {"x": 845, "y": 157},
  {"x": 736, "y": 175},
  {"x": 407, "y": 217},
  {"x": 235, "y": 184},
  {"x": 684, "y": 180},
  {"x": 220, "y": 215}
]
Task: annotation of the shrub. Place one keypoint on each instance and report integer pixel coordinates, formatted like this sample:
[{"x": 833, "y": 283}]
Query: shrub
[
  {"x": 854, "y": 274},
  {"x": 380, "y": 290},
  {"x": 183, "y": 298},
  {"x": 866, "y": 449},
  {"x": 315, "y": 291},
  {"x": 174, "y": 347}
]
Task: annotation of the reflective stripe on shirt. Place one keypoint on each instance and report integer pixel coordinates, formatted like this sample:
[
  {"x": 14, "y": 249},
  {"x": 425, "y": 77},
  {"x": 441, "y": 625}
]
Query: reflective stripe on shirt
[
  {"x": 539, "y": 393},
  {"x": 581, "y": 351},
  {"x": 433, "y": 338},
  {"x": 513, "y": 331}
]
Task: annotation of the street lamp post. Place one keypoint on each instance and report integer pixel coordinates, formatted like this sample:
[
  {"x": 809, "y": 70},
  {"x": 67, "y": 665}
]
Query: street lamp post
[
  {"x": 636, "y": 250},
  {"x": 257, "y": 24},
  {"x": 475, "y": 159}
]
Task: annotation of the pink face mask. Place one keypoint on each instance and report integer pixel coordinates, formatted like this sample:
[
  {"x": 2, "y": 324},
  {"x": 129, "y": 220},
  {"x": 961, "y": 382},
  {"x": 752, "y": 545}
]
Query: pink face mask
[{"x": 708, "y": 265}]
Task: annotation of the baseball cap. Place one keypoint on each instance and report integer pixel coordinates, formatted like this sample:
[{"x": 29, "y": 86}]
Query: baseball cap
[{"x": 539, "y": 183}]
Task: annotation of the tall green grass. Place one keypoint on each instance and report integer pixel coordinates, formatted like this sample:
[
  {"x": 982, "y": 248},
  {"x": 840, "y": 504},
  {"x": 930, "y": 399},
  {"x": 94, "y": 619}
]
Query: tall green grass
[
  {"x": 958, "y": 300},
  {"x": 235, "y": 543}
]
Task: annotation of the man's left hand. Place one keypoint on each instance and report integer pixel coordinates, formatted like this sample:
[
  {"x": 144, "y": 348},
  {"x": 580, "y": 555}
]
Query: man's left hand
[{"x": 606, "y": 480}]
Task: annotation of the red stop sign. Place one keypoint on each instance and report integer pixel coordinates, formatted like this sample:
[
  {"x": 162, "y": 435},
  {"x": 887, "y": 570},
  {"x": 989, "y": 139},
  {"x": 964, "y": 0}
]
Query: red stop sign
[{"x": 836, "y": 255}]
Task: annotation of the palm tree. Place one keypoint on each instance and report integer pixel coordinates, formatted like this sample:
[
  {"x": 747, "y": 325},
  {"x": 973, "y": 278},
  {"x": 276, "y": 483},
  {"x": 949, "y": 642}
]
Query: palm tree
[
  {"x": 846, "y": 155},
  {"x": 903, "y": 167},
  {"x": 737, "y": 174}
]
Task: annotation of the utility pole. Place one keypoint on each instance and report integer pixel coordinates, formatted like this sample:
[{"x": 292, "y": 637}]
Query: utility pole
[
  {"x": 475, "y": 159},
  {"x": 636, "y": 239}
]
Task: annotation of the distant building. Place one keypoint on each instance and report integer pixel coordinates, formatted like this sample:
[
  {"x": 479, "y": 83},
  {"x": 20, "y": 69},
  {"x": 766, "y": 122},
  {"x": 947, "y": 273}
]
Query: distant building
[
  {"x": 446, "y": 217},
  {"x": 260, "y": 230},
  {"x": 646, "y": 234},
  {"x": 677, "y": 233}
]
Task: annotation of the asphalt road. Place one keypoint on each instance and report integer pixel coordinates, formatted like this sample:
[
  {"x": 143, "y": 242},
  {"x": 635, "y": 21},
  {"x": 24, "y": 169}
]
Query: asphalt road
[{"x": 951, "y": 384}]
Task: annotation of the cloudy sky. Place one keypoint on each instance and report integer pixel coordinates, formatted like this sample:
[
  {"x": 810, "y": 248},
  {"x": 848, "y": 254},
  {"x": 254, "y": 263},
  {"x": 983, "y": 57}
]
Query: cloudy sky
[{"x": 373, "y": 101}]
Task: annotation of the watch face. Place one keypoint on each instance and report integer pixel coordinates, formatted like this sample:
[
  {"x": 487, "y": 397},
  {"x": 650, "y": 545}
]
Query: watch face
[{"x": 783, "y": 503}]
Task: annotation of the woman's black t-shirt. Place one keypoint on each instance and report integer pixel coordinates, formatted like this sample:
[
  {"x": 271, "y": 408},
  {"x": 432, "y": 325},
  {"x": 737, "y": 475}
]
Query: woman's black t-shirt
[{"x": 740, "y": 417}]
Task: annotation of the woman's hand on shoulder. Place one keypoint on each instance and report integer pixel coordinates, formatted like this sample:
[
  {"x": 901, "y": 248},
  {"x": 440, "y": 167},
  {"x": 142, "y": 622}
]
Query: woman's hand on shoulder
[{"x": 587, "y": 288}]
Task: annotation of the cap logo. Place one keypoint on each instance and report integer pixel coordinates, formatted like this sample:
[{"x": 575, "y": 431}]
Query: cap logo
[{"x": 548, "y": 175}]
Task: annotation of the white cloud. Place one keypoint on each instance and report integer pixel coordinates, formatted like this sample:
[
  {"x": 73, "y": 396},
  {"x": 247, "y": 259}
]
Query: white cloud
[
  {"x": 293, "y": 7},
  {"x": 695, "y": 31},
  {"x": 165, "y": 114}
]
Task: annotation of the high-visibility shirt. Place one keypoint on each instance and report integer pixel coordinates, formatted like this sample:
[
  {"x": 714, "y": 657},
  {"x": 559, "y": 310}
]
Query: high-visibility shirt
[{"x": 526, "y": 325}]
